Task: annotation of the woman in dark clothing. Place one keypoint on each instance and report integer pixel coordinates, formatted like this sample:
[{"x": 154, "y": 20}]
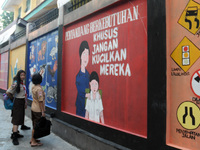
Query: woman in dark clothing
[
  {"x": 82, "y": 79},
  {"x": 20, "y": 103}
]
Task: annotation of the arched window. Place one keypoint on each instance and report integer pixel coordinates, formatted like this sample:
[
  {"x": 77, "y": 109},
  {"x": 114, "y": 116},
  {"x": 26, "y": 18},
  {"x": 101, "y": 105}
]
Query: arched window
[
  {"x": 19, "y": 12},
  {"x": 28, "y": 5}
]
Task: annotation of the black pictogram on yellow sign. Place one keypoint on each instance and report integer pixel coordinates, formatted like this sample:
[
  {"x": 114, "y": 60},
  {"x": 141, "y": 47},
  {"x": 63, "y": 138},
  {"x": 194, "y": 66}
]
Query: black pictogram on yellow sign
[
  {"x": 188, "y": 115},
  {"x": 185, "y": 54},
  {"x": 190, "y": 18}
]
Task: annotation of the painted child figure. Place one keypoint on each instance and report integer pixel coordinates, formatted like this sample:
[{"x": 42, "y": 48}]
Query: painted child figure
[{"x": 94, "y": 106}]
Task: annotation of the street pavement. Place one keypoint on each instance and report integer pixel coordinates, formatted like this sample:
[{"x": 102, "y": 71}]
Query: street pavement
[{"x": 50, "y": 142}]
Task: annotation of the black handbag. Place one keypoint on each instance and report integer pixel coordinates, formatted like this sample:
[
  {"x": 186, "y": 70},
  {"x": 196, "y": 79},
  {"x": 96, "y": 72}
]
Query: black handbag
[{"x": 42, "y": 128}]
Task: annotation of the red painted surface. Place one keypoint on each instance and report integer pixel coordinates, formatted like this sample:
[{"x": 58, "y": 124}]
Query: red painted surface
[
  {"x": 3, "y": 70},
  {"x": 124, "y": 96}
]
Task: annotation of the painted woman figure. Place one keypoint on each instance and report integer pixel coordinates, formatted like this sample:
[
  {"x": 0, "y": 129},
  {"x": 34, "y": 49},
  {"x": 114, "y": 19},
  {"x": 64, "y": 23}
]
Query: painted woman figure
[{"x": 82, "y": 79}]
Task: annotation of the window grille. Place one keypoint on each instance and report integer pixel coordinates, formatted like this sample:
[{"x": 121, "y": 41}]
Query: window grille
[
  {"x": 4, "y": 44},
  {"x": 18, "y": 35},
  {"x": 74, "y": 4},
  {"x": 45, "y": 19}
]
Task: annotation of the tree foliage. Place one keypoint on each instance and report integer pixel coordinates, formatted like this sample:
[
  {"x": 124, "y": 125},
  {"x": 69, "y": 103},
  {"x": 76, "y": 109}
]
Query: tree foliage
[{"x": 6, "y": 18}]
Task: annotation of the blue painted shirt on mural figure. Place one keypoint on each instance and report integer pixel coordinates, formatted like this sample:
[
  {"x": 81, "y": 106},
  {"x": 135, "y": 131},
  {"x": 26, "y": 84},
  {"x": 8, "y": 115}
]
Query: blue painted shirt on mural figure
[{"x": 82, "y": 82}]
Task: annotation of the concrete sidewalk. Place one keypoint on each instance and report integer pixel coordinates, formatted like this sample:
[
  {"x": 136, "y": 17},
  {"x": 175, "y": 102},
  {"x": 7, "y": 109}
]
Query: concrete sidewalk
[{"x": 51, "y": 142}]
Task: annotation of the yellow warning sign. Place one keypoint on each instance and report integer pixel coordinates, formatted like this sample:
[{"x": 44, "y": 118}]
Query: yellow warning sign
[
  {"x": 185, "y": 54},
  {"x": 190, "y": 18},
  {"x": 188, "y": 115}
]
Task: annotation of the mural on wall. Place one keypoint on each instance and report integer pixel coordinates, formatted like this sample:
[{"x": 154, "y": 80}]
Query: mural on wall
[
  {"x": 43, "y": 56},
  {"x": 3, "y": 70},
  {"x": 183, "y": 74},
  {"x": 104, "y": 68},
  {"x": 17, "y": 62},
  {"x": 15, "y": 68}
]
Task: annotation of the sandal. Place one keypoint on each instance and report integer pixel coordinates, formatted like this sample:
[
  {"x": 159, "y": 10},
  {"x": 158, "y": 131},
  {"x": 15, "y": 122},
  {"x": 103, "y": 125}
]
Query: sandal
[
  {"x": 36, "y": 141},
  {"x": 37, "y": 144}
]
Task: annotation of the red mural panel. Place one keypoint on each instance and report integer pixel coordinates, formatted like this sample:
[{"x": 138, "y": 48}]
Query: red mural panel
[
  {"x": 113, "y": 43},
  {"x": 3, "y": 70}
]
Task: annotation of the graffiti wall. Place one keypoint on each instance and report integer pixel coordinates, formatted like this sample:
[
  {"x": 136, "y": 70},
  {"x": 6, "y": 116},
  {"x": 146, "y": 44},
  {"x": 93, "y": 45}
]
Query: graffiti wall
[
  {"x": 183, "y": 86},
  {"x": 43, "y": 56},
  {"x": 104, "y": 67},
  {"x": 3, "y": 70},
  {"x": 17, "y": 62}
]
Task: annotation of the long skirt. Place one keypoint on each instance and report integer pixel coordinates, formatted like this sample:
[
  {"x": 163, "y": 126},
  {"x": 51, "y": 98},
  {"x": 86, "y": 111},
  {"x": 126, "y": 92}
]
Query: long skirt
[{"x": 18, "y": 111}]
